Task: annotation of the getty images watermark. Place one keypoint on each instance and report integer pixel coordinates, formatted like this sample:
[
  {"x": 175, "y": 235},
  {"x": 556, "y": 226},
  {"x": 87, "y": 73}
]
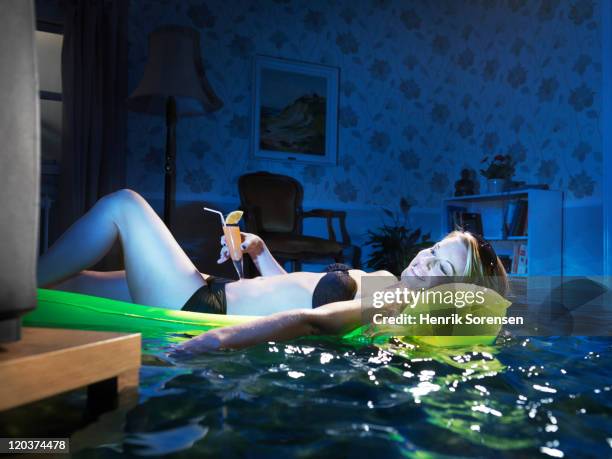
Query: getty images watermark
[
  {"x": 458, "y": 296},
  {"x": 446, "y": 306}
]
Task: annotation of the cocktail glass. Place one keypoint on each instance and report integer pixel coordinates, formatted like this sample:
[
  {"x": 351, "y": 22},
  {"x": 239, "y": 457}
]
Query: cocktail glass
[{"x": 233, "y": 241}]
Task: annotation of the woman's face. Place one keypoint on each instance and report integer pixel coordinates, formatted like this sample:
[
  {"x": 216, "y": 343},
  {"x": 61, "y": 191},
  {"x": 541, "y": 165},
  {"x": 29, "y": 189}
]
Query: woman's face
[{"x": 447, "y": 258}]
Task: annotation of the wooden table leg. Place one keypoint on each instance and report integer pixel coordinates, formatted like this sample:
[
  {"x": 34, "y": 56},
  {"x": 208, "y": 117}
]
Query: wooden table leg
[{"x": 108, "y": 394}]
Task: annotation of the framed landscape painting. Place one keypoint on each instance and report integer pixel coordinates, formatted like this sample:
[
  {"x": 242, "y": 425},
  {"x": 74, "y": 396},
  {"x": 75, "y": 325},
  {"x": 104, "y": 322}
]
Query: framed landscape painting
[{"x": 295, "y": 111}]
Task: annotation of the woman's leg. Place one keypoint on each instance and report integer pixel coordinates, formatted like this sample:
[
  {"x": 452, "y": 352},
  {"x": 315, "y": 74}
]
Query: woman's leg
[
  {"x": 107, "y": 284},
  {"x": 158, "y": 272}
]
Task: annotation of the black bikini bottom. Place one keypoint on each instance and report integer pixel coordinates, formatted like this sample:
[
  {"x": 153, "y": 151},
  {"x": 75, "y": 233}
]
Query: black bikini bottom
[{"x": 209, "y": 298}]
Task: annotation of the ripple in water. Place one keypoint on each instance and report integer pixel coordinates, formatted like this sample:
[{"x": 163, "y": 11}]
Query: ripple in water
[{"x": 523, "y": 397}]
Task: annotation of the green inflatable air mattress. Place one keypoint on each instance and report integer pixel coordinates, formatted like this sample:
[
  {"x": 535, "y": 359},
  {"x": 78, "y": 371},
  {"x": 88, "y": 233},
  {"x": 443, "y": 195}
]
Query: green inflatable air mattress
[{"x": 58, "y": 309}]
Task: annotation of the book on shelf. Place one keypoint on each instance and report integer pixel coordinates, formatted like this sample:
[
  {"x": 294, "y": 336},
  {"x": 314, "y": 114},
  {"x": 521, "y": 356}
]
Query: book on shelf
[
  {"x": 454, "y": 217},
  {"x": 472, "y": 222},
  {"x": 522, "y": 219},
  {"x": 516, "y": 218},
  {"x": 519, "y": 259},
  {"x": 507, "y": 262}
]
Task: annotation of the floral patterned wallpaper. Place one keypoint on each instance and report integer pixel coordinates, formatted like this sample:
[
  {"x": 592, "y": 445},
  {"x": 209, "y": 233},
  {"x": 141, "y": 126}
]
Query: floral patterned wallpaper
[{"x": 427, "y": 88}]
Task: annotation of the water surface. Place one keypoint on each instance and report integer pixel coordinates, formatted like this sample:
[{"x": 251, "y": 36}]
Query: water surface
[{"x": 536, "y": 397}]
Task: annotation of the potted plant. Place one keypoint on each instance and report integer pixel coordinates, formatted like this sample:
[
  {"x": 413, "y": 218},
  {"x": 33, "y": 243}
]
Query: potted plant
[
  {"x": 394, "y": 244},
  {"x": 498, "y": 172}
]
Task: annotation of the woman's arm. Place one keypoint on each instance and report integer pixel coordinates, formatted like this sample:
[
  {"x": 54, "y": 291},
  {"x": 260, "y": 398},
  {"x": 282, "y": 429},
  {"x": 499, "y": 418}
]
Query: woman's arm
[
  {"x": 258, "y": 251},
  {"x": 266, "y": 263},
  {"x": 331, "y": 319}
]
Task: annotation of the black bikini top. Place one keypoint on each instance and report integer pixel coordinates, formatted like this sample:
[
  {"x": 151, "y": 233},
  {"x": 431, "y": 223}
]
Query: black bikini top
[{"x": 336, "y": 285}]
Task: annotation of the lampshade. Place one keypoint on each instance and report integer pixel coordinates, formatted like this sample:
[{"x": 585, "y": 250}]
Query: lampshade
[{"x": 174, "y": 68}]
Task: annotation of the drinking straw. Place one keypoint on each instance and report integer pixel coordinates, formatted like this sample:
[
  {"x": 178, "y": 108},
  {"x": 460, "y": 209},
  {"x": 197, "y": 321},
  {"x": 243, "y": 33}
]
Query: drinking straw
[{"x": 217, "y": 212}]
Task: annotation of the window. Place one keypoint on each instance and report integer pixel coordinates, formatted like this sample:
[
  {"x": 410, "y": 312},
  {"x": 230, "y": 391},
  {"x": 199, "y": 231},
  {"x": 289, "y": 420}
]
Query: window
[
  {"x": 49, "y": 52},
  {"x": 49, "y": 40}
]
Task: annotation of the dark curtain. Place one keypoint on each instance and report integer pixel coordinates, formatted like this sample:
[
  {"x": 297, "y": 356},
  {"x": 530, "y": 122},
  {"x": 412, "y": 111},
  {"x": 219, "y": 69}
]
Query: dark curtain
[{"x": 94, "y": 84}]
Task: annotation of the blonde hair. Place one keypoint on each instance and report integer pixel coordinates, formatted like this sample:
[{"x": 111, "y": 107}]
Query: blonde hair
[{"x": 474, "y": 272}]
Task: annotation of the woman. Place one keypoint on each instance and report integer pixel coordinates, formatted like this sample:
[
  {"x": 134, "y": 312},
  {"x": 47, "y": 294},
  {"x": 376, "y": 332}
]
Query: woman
[{"x": 158, "y": 273}]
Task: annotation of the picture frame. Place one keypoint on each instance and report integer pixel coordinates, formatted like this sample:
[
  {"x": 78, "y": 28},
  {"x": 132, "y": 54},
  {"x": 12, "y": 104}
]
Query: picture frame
[{"x": 294, "y": 111}]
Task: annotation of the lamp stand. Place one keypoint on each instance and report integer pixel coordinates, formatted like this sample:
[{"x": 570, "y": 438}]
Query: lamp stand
[{"x": 170, "y": 163}]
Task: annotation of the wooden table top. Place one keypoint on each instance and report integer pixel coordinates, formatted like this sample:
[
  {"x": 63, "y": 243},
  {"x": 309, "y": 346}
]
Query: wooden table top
[{"x": 48, "y": 361}]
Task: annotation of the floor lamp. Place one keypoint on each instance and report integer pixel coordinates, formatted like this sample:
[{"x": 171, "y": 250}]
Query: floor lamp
[{"x": 173, "y": 85}]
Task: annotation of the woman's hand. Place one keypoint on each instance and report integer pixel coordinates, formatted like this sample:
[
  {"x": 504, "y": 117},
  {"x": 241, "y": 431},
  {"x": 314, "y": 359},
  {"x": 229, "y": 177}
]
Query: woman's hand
[
  {"x": 205, "y": 342},
  {"x": 251, "y": 244},
  {"x": 259, "y": 253}
]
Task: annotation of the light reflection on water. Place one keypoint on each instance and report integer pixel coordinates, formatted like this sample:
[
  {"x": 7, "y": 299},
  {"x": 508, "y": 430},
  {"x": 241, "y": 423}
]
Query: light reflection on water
[{"x": 523, "y": 397}]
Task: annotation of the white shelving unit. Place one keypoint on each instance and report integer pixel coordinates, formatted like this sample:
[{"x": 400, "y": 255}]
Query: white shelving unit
[{"x": 544, "y": 239}]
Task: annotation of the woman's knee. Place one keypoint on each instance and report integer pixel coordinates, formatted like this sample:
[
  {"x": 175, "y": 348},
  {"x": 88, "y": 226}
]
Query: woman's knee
[
  {"x": 126, "y": 195},
  {"x": 123, "y": 201}
]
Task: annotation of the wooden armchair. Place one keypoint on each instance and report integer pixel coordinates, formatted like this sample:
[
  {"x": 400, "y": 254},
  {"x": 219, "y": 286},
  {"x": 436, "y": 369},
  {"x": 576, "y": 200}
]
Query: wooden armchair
[{"x": 273, "y": 209}]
